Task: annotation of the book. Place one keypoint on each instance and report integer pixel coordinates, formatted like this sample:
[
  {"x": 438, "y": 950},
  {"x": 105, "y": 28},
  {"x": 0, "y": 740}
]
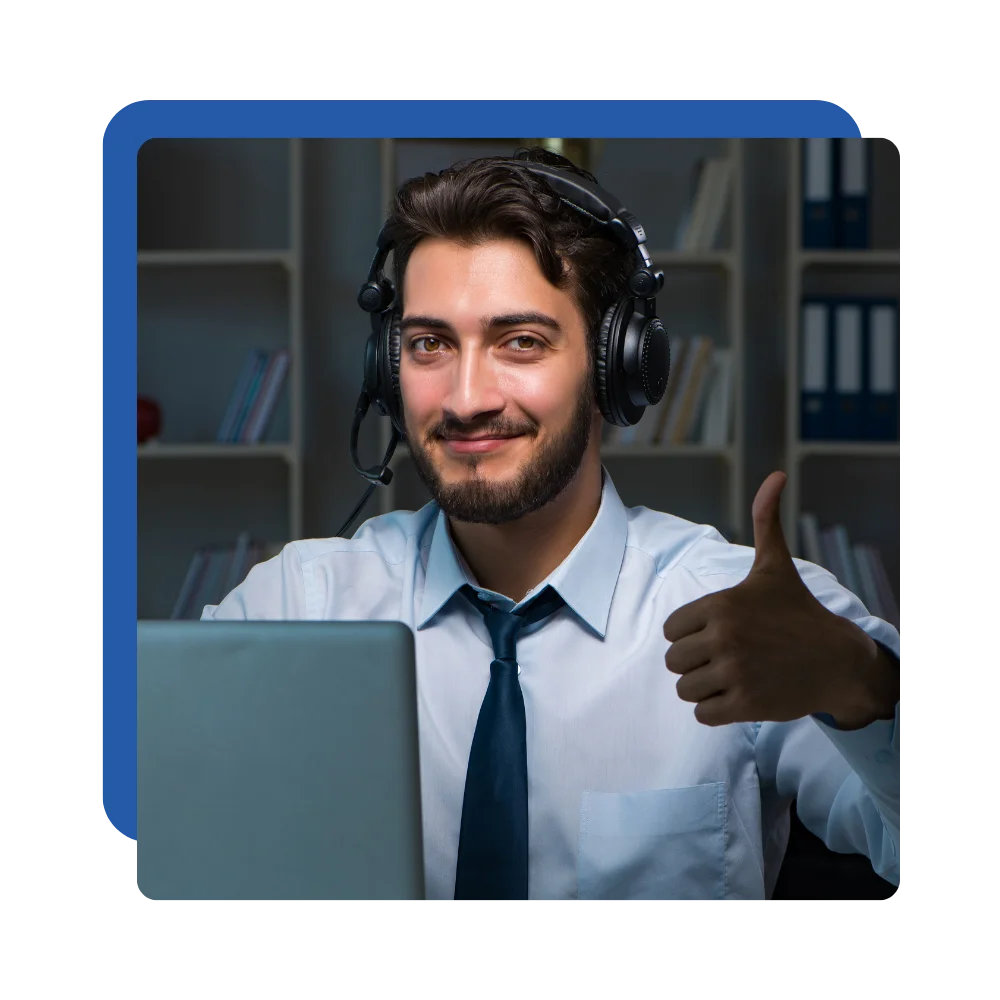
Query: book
[
  {"x": 718, "y": 199},
  {"x": 189, "y": 586},
  {"x": 858, "y": 568},
  {"x": 237, "y": 398},
  {"x": 818, "y": 228},
  {"x": 682, "y": 414},
  {"x": 812, "y": 550},
  {"x": 715, "y": 425},
  {"x": 215, "y": 571},
  {"x": 849, "y": 371},
  {"x": 851, "y": 210},
  {"x": 708, "y": 206},
  {"x": 254, "y": 397},
  {"x": 272, "y": 382}
]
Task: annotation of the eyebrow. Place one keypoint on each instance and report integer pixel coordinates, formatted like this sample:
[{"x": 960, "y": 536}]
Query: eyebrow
[{"x": 488, "y": 322}]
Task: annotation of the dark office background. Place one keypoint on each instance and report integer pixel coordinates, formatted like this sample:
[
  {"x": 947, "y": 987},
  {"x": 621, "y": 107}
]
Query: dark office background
[{"x": 263, "y": 244}]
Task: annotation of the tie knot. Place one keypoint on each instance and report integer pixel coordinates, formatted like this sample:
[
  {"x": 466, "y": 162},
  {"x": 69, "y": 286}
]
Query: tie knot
[{"x": 504, "y": 626}]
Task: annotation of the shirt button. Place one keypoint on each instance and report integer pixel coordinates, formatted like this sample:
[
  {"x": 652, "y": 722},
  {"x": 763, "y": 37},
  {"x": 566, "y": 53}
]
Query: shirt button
[{"x": 483, "y": 597}]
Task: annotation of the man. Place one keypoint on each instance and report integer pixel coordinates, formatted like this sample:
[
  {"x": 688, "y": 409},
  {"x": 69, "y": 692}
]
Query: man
[{"x": 645, "y": 736}]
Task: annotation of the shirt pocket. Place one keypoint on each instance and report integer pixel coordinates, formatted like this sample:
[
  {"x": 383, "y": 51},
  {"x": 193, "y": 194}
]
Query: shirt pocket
[{"x": 668, "y": 843}]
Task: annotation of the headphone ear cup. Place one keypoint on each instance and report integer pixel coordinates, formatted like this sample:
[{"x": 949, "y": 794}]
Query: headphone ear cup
[
  {"x": 612, "y": 390},
  {"x": 603, "y": 366},
  {"x": 393, "y": 397}
]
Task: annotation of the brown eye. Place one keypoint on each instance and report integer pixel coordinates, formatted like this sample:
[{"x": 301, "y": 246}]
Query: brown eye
[
  {"x": 525, "y": 343},
  {"x": 427, "y": 342}
]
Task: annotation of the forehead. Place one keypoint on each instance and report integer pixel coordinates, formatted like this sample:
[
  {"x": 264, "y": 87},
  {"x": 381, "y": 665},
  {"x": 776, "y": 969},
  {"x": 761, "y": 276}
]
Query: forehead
[{"x": 444, "y": 275}]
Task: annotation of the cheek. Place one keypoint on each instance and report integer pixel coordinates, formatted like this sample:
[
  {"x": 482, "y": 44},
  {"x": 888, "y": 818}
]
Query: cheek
[
  {"x": 540, "y": 393},
  {"x": 422, "y": 393}
]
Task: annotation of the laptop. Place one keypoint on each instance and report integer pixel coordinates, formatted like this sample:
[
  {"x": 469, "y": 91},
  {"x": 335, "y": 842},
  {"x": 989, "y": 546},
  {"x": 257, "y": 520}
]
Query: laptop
[{"x": 277, "y": 760}]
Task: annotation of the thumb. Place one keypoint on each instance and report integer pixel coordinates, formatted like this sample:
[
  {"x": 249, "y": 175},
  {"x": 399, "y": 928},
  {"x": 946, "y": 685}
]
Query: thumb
[{"x": 771, "y": 551}]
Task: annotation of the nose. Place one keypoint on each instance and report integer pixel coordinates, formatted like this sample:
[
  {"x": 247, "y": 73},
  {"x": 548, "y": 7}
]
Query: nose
[{"x": 474, "y": 389}]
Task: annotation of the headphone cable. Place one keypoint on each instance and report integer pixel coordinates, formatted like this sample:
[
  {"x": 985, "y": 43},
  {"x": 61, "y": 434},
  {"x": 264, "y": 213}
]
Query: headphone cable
[{"x": 357, "y": 510}]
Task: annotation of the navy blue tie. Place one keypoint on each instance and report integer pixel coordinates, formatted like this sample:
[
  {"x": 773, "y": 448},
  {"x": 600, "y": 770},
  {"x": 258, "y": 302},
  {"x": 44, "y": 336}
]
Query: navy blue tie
[{"x": 493, "y": 841}]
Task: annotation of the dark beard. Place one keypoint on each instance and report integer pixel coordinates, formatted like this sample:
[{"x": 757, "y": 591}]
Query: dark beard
[{"x": 546, "y": 475}]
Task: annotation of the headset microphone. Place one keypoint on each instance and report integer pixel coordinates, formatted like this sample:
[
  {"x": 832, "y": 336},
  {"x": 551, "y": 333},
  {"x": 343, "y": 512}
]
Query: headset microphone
[{"x": 376, "y": 475}]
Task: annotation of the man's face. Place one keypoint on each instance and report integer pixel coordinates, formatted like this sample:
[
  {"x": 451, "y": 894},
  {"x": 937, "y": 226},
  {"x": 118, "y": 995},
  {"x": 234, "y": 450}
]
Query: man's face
[{"x": 491, "y": 351}]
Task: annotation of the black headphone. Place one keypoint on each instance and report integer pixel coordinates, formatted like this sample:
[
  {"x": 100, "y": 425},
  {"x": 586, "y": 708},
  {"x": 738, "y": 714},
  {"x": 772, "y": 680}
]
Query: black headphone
[{"x": 633, "y": 353}]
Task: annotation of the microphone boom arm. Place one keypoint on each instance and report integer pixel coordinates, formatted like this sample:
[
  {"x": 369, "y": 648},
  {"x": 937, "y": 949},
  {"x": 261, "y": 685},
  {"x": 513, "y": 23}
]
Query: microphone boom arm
[{"x": 376, "y": 475}]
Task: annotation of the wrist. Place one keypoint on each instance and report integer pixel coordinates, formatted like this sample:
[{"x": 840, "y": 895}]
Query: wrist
[
  {"x": 867, "y": 688},
  {"x": 883, "y": 682}
]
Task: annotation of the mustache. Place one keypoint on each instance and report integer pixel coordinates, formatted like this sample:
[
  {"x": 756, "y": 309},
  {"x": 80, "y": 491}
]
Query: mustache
[{"x": 450, "y": 428}]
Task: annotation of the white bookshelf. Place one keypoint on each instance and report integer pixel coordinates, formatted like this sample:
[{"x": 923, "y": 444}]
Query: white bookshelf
[
  {"x": 225, "y": 278},
  {"x": 850, "y": 472},
  {"x": 727, "y": 264}
]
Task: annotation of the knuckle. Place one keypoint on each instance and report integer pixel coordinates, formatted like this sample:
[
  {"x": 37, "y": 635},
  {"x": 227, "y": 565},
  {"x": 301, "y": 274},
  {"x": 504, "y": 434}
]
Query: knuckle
[
  {"x": 731, "y": 669},
  {"x": 727, "y": 677}
]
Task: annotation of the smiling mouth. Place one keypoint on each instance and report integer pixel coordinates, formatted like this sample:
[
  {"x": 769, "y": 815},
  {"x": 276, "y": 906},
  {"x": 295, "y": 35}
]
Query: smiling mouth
[
  {"x": 482, "y": 437},
  {"x": 478, "y": 444}
]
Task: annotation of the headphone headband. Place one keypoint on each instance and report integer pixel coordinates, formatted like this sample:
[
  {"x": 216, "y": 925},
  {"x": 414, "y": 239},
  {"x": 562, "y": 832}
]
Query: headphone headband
[
  {"x": 576, "y": 192},
  {"x": 592, "y": 200}
]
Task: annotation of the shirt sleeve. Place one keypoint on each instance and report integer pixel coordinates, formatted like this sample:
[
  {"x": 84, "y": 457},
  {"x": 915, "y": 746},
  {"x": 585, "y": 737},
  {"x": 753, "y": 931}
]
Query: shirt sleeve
[
  {"x": 274, "y": 589},
  {"x": 845, "y": 782}
]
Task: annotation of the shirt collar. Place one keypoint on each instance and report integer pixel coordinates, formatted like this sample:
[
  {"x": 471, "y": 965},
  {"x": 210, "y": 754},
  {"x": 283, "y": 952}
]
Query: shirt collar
[{"x": 585, "y": 579}]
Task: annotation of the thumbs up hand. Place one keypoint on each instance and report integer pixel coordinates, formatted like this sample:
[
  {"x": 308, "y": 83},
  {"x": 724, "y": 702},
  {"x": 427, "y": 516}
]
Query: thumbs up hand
[{"x": 767, "y": 650}]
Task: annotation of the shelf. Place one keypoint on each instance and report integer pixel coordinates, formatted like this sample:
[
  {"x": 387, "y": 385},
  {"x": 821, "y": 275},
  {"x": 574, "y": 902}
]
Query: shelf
[
  {"x": 161, "y": 451},
  {"x": 692, "y": 258},
  {"x": 691, "y": 450},
  {"x": 199, "y": 258},
  {"x": 853, "y": 449},
  {"x": 848, "y": 258}
]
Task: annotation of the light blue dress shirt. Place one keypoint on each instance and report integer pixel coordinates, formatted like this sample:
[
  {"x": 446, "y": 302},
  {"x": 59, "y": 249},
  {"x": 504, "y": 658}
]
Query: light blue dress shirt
[{"x": 629, "y": 796}]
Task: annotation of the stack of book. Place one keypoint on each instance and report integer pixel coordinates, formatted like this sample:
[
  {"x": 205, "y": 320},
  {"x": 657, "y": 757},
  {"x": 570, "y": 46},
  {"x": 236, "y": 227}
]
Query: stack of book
[
  {"x": 214, "y": 571},
  {"x": 849, "y": 375},
  {"x": 701, "y": 219},
  {"x": 858, "y": 567},
  {"x": 836, "y": 180},
  {"x": 254, "y": 397},
  {"x": 697, "y": 406}
]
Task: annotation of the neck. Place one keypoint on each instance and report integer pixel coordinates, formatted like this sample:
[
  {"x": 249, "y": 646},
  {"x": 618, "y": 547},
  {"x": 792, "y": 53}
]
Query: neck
[{"x": 512, "y": 558}]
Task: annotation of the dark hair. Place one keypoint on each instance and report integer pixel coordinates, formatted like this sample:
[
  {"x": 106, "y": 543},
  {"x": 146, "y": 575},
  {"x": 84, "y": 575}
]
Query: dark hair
[{"x": 474, "y": 201}]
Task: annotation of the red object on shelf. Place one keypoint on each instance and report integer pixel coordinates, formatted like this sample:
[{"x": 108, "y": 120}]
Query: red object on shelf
[{"x": 149, "y": 418}]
